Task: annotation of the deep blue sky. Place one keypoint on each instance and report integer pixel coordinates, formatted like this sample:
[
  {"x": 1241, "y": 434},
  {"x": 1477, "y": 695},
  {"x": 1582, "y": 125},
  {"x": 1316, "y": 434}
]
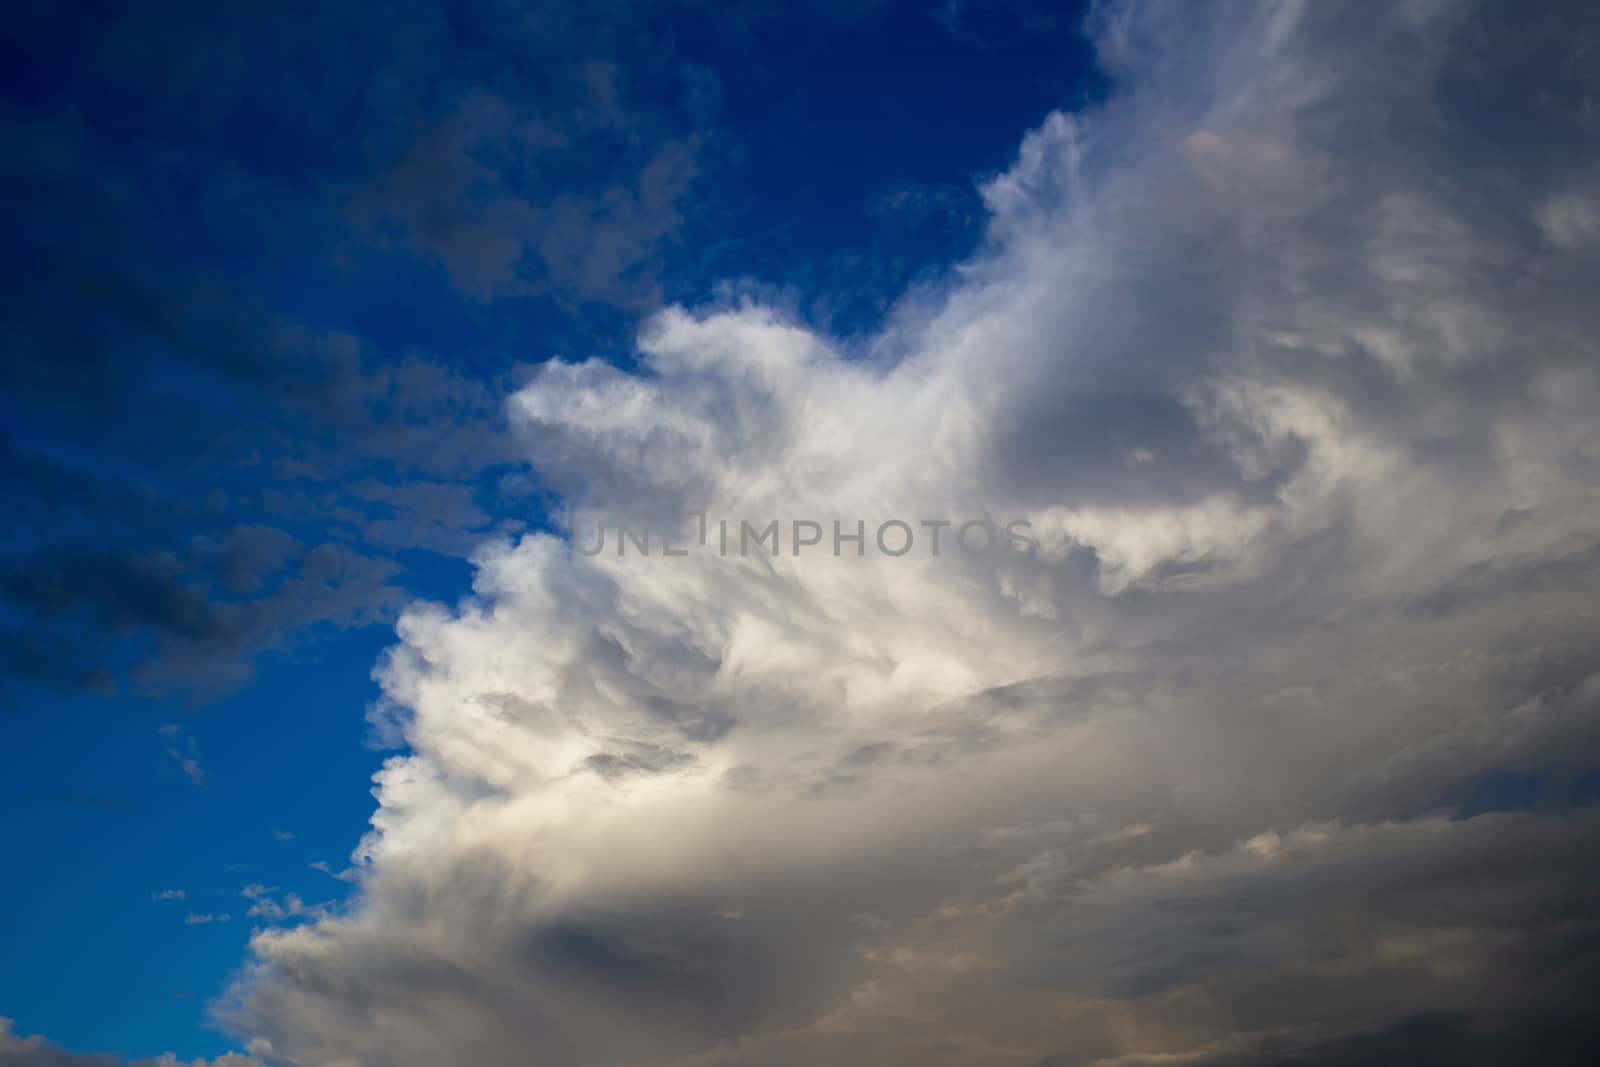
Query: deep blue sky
[{"x": 270, "y": 271}]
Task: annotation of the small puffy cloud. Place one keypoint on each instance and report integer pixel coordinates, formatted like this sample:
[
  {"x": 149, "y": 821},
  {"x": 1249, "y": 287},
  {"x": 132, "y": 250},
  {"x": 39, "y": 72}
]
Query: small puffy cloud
[
  {"x": 290, "y": 906},
  {"x": 347, "y": 874}
]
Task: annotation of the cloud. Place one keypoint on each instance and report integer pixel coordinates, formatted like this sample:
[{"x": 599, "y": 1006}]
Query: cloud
[
  {"x": 265, "y": 904},
  {"x": 37, "y": 1052},
  {"x": 472, "y": 194},
  {"x": 205, "y": 918},
  {"x": 171, "y": 894},
  {"x": 186, "y": 755},
  {"x": 191, "y": 619},
  {"x": 270, "y": 909},
  {"x": 179, "y": 428},
  {"x": 1277, "y": 356},
  {"x": 191, "y": 767},
  {"x": 346, "y": 875}
]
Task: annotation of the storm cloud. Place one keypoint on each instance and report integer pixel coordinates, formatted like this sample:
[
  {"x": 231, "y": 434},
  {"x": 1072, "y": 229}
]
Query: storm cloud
[{"x": 1279, "y": 749}]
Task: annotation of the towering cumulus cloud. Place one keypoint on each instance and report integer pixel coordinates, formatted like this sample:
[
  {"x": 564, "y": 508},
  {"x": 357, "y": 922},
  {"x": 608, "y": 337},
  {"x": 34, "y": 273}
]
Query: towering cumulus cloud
[{"x": 1275, "y": 743}]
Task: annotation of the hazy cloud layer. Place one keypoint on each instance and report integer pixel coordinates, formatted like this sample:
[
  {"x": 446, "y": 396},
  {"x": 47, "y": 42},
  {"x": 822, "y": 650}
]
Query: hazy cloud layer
[
  {"x": 35, "y": 1051},
  {"x": 1278, "y": 750}
]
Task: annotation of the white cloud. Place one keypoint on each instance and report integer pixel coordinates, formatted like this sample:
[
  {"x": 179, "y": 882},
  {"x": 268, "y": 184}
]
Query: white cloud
[
  {"x": 187, "y": 755},
  {"x": 348, "y": 874},
  {"x": 272, "y": 909},
  {"x": 1263, "y": 351}
]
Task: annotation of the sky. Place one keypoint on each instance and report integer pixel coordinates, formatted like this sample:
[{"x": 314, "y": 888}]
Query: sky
[{"x": 1259, "y": 730}]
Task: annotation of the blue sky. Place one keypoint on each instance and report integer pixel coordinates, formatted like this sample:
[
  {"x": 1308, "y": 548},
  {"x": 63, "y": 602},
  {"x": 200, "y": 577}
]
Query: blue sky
[{"x": 321, "y": 327}]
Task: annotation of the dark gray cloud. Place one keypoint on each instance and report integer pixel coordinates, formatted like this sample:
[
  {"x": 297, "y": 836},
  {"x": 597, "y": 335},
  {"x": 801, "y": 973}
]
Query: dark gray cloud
[
  {"x": 187, "y": 189},
  {"x": 473, "y": 195},
  {"x": 17, "y": 1051},
  {"x": 191, "y": 623}
]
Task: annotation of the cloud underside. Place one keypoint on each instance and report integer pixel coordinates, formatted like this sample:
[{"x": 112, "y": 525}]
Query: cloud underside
[
  {"x": 17, "y": 1051},
  {"x": 1277, "y": 750}
]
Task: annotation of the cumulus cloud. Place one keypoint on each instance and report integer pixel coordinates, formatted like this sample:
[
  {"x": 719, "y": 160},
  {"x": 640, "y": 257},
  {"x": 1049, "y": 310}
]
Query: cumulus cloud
[{"x": 1285, "y": 354}]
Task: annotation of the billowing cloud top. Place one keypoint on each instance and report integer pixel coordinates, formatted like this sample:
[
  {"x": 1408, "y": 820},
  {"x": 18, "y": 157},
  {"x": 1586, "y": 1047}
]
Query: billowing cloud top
[{"x": 1273, "y": 744}]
